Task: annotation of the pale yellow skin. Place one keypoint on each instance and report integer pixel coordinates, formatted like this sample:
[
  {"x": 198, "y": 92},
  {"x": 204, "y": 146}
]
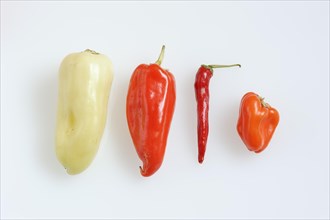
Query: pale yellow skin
[{"x": 85, "y": 80}]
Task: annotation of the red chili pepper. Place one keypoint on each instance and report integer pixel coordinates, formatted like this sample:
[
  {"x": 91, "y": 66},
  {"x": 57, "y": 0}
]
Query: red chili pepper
[
  {"x": 203, "y": 76},
  {"x": 257, "y": 122},
  {"x": 149, "y": 110}
]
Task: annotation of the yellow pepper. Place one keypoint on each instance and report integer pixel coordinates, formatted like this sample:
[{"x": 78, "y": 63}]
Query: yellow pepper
[{"x": 85, "y": 80}]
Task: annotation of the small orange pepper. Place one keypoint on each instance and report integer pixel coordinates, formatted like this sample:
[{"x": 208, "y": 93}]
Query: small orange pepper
[{"x": 257, "y": 122}]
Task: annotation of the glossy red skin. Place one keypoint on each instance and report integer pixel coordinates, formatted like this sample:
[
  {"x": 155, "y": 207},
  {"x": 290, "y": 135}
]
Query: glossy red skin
[
  {"x": 149, "y": 110},
  {"x": 202, "y": 95},
  {"x": 256, "y": 123}
]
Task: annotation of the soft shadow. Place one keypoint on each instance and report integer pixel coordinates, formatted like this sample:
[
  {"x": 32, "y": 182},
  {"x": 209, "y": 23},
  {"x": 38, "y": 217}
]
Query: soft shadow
[
  {"x": 189, "y": 115},
  {"x": 45, "y": 110},
  {"x": 120, "y": 136},
  {"x": 228, "y": 133}
]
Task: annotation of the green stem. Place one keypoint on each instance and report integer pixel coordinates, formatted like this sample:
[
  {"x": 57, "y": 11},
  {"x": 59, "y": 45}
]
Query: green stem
[
  {"x": 263, "y": 103},
  {"x": 223, "y": 66},
  {"x": 91, "y": 51},
  {"x": 211, "y": 67},
  {"x": 161, "y": 56}
]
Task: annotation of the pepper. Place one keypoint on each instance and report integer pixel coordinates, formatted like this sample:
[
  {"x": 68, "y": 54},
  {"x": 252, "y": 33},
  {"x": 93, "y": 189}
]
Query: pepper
[
  {"x": 257, "y": 122},
  {"x": 149, "y": 110},
  {"x": 202, "y": 81},
  {"x": 85, "y": 80}
]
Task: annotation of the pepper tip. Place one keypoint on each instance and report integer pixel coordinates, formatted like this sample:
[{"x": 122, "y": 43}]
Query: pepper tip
[{"x": 143, "y": 172}]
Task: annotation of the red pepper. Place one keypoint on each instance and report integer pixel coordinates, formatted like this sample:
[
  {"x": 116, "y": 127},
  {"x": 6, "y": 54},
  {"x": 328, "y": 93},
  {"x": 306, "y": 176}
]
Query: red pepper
[
  {"x": 149, "y": 111},
  {"x": 257, "y": 122},
  {"x": 203, "y": 76}
]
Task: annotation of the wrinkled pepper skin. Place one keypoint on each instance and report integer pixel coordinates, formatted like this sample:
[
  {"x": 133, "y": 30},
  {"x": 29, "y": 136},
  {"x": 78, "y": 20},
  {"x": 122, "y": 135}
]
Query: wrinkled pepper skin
[
  {"x": 149, "y": 109},
  {"x": 202, "y": 81},
  {"x": 85, "y": 80},
  {"x": 257, "y": 122},
  {"x": 202, "y": 95}
]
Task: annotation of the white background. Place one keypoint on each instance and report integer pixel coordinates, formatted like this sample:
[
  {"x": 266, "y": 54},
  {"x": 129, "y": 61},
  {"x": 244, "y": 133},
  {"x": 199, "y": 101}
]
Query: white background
[{"x": 284, "y": 51}]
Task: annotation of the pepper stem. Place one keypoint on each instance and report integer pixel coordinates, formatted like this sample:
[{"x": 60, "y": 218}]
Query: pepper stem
[
  {"x": 91, "y": 51},
  {"x": 223, "y": 66},
  {"x": 161, "y": 56},
  {"x": 263, "y": 103}
]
